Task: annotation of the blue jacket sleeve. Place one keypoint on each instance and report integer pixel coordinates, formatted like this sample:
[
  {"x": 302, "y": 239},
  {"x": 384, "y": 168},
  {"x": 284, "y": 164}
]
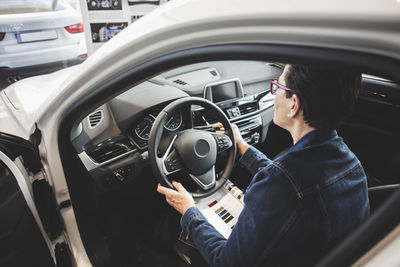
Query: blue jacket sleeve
[
  {"x": 264, "y": 219},
  {"x": 254, "y": 160}
]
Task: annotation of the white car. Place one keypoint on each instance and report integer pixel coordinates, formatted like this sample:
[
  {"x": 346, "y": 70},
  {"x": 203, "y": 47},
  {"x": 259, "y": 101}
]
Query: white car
[
  {"x": 37, "y": 38},
  {"x": 79, "y": 157}
]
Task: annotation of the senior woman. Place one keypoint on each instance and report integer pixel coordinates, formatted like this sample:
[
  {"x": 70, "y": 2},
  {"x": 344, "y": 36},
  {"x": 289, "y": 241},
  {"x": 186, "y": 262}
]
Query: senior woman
[{"x": 299, "y": 206}]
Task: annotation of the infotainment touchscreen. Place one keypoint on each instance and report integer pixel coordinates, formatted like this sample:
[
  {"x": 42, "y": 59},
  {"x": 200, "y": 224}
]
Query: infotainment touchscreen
[{"x": 223, "y": 91}]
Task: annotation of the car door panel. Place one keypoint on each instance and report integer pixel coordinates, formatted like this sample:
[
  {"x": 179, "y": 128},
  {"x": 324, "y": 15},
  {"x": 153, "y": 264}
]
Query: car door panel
[{"x": 21, "y": 241}]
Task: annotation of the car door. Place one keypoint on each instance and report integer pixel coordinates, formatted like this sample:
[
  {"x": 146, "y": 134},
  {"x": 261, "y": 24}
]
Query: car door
[{"x": 23, "y": 240}]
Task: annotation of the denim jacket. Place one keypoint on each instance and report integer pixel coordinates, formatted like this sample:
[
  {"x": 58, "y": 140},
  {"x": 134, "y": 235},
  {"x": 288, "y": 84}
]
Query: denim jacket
[{"x": 297, "y": 207}]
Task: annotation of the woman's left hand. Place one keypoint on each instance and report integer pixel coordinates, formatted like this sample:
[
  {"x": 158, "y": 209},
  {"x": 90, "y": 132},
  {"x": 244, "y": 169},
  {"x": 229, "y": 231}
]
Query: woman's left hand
[{"x": 180, "y": 200}]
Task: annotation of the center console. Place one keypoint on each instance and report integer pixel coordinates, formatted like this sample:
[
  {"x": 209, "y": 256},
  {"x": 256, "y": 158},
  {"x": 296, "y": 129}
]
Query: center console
[
  {"x": 242, "y": 111},
  {"x": 250, "y": 129}
]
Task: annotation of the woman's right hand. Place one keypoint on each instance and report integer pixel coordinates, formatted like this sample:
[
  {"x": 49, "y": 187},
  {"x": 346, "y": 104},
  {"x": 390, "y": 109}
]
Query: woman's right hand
[{"x": 240, "y": 143}]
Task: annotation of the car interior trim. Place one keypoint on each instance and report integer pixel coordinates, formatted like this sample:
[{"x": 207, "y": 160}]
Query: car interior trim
[
  {"x": 22, "y": 183},
  {"x": 90, "y": 164},
  {"x": 166, "y": 172}
]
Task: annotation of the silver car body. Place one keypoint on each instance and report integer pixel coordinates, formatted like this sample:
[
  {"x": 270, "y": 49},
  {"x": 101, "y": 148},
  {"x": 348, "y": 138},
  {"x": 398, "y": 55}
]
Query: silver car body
[{"x": 371, "y": 27}]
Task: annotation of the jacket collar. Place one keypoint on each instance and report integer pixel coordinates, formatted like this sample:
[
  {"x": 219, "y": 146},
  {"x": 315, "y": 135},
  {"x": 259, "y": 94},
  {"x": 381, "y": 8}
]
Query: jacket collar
[{"x": 312, "y": 138}]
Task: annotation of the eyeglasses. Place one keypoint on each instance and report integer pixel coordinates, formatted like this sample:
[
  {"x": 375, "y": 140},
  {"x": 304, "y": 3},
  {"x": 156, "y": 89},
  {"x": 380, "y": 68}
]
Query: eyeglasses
[{"x": 274, "y": 86}]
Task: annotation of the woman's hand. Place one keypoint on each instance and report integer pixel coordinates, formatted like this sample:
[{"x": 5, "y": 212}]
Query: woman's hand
[
  {"x": 180, "y": 200},
  {"x": 240, "y": 143}
]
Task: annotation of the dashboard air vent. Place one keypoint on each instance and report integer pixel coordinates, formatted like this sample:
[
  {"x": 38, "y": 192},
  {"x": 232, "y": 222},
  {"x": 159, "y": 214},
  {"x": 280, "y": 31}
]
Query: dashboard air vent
[
  {"x": 180, "y": 82},
  {"x": 107, "y": 153},
  {"x": 248, "y": 108},
  {"x": 214, "y": 73},
  {"x": 110, "y": 149},
  {"x": 95, "y": 118},
  {"x": 194, "y": 80}
]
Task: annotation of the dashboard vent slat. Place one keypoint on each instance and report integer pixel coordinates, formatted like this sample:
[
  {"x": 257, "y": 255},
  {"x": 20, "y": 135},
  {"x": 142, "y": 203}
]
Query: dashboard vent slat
[
  {"x": 248, "y": 108},
  {"x": 95, "y": 118},
  {"x": 103, "y": 155},
  {"x": 180, "y": 82},
  {"x": 110, "y": 149},
  {"x": 214, "y": 73}
]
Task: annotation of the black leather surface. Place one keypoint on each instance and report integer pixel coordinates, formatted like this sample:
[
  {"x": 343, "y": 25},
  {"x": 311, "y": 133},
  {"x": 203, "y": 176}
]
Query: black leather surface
[
  {"x": 379, "y": 194},
  {"x": 21, "y": 242}
]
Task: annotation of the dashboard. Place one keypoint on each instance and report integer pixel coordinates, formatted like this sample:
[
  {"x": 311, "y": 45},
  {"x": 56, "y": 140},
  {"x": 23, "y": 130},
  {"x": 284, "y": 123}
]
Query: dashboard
[{"x": 112, "y": 141}]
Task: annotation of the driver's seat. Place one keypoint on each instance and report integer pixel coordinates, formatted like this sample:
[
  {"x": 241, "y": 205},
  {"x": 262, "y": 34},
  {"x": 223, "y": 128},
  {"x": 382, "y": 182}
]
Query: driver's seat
[{"x": 378, "y": 194}]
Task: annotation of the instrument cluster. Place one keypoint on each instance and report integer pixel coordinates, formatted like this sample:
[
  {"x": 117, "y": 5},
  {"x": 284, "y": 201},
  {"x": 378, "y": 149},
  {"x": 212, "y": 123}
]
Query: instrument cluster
[{"x": 140, "y": 130}]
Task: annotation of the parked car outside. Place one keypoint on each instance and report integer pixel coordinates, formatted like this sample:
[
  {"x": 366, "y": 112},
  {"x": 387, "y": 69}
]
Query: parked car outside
[
  {"x": 76, "y": 146},
  {"x": 37, "y": 38}
]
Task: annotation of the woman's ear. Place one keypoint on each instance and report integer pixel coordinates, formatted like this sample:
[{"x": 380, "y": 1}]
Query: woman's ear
[{"x": 294, "y": 105}]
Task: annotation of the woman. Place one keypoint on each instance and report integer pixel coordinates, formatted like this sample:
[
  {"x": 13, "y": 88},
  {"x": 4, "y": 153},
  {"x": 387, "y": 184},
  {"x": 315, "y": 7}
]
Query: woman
[{"x": 300, "y": 205}]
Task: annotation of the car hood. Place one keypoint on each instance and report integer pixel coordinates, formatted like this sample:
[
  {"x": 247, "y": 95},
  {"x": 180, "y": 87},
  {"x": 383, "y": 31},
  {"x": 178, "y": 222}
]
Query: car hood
[{"x": 21, "y": 100}]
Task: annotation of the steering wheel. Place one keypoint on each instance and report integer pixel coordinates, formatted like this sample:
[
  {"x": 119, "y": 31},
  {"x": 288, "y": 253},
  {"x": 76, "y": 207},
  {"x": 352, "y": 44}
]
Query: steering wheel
[{"x": 192, "y": 150}]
